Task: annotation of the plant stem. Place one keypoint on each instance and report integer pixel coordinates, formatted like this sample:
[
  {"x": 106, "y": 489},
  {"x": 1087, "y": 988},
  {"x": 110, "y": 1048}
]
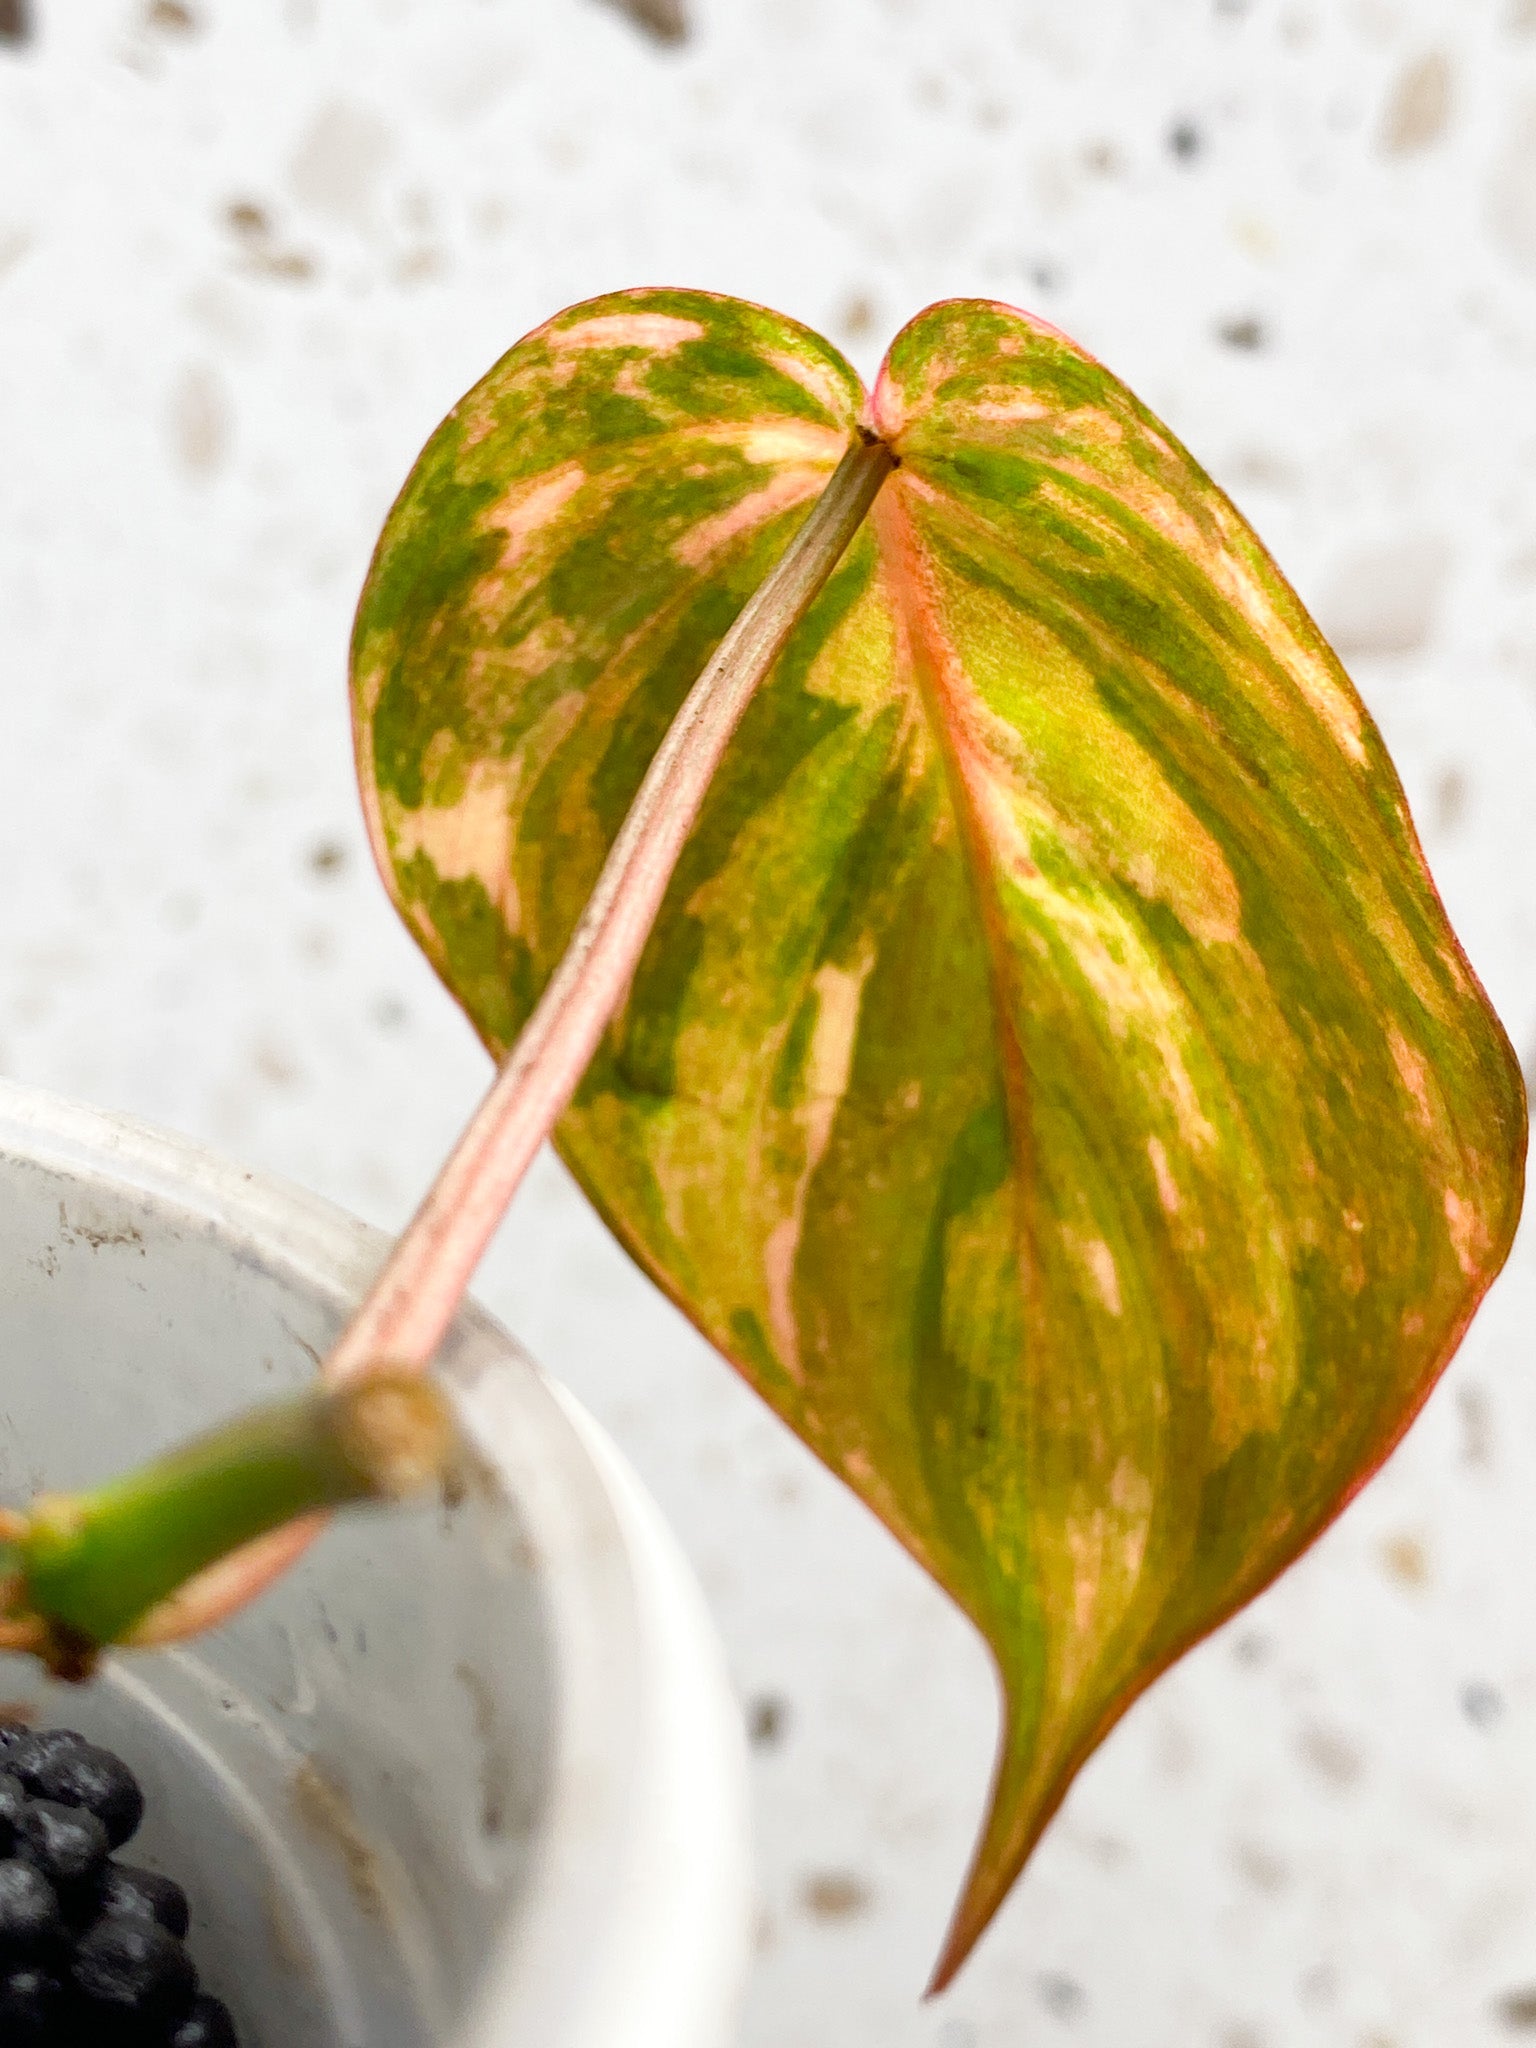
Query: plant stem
[
  {"x": 415, "y": 1297},
  {"x": 91, "y": 1564}
]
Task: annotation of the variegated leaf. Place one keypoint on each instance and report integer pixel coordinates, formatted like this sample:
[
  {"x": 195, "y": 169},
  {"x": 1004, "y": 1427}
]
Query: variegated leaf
[{"x": 1052, "y": 1079}]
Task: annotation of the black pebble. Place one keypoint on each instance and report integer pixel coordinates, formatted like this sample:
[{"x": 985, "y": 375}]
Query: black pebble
[
  {"x": 67, "y": 1844},
  {"x": 35, "y": 1747},
  {"x": 29, "y": 2004},
  {"x": 127, "y": 1969},
  {"x": 127, "y": 1889},
  {"x": 91, "y": 1951},
  {"x": 29, "y": 1910},
  {"x": 207, "y": 2025},
  {"x": 95, "y": 1779},
  {"x": 13, "y": 1804}
]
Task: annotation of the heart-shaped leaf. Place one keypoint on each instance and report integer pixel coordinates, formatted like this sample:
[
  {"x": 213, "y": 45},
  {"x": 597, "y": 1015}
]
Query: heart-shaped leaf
[{"x": 1052, "y": 1079}]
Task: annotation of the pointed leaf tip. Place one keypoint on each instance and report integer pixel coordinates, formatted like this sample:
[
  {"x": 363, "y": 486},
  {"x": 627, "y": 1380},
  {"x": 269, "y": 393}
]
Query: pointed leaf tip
[{"x": 1052, "y": 1079}]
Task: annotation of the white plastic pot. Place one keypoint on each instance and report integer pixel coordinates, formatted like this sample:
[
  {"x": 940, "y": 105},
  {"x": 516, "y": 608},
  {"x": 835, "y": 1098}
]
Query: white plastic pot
[{"x": 468, "y": 1776}]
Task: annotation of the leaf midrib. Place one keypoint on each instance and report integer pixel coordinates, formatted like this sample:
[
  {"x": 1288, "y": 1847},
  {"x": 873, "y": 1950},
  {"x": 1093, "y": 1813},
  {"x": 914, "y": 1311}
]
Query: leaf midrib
[{"x": 897, "y": 537}]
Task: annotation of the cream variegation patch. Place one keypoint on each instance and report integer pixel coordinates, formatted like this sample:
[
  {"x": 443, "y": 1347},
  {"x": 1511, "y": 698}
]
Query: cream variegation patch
[
  {"x": 1413, "y": 1071},
  {"x": 814, "y": 377},
  {"x": 470, "y": 839},
  {"x": 839, "y": 993},
  {"x": 657, "y": 333},
  {"x": 530, "y": 507},
  {"x": 1466, "y": 1228},
  {"x": 1104, "y": 1545},
  {"x": 789, "y": 488},
  {"x": 1167, "y": 1187}
]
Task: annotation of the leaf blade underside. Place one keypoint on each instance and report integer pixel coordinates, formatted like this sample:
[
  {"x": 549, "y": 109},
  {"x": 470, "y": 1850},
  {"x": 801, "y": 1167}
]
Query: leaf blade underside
[{"x": 1051, "y": 1079}]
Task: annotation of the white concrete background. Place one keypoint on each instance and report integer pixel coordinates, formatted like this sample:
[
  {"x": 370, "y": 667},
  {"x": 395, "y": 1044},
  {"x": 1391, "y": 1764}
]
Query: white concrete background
[{"x": 248, "y": 256}]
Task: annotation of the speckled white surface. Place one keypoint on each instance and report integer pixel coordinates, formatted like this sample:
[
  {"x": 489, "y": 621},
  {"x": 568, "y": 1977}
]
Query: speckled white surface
[{"x": 248, "y": 256}]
